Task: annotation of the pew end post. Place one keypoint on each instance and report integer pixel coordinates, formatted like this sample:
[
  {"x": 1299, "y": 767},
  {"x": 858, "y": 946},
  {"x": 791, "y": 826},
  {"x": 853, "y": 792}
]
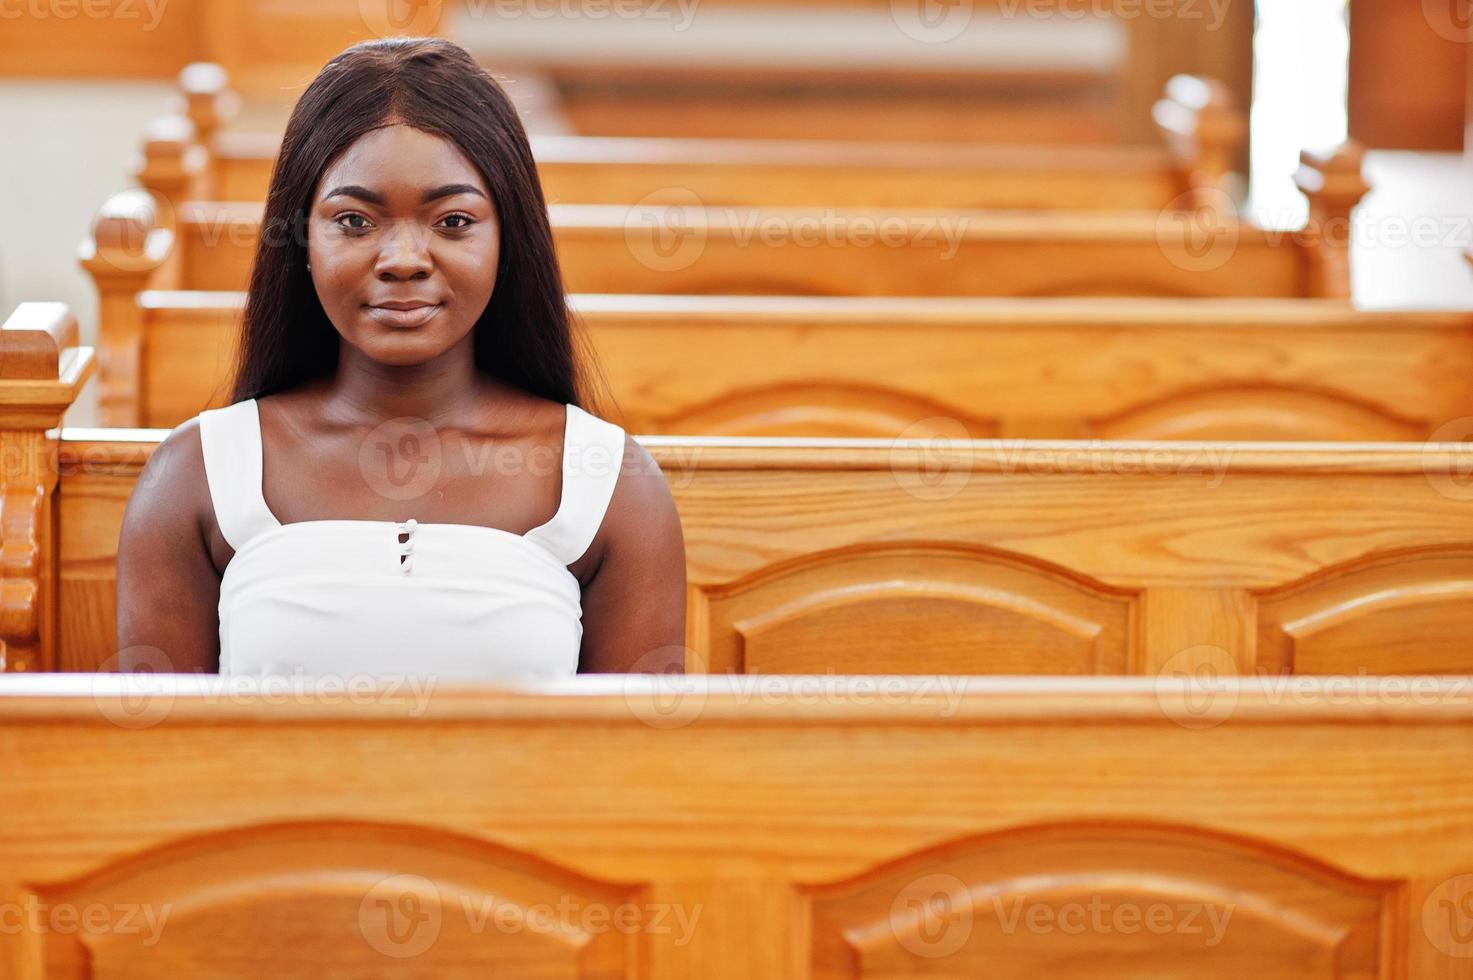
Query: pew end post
[
  {"x": 42, "y": 371},
  {"x": 129, "y": 245},
  {"x": 206, "y": 99},
  {"x": 173, "y": 165},
  {"x": 1334, "y": 185},
  {"x": 1205, "y": 130}
]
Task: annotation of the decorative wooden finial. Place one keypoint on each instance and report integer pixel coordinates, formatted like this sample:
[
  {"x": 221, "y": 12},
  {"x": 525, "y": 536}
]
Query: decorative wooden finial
[
  {"x": 173, "y": 165},
  {"x": 1333, "y": 183},
  {"x": 206, "y": 99},
  {"x": 131, "y": 242},
  {"x": 42, "y": 371},
  {"x": 1205, "y": 129}
]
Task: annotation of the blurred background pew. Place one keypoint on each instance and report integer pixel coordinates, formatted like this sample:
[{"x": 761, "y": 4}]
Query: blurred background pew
[
  {"x": 836, "y": 366},
  {"x": 577, "y": 76}
]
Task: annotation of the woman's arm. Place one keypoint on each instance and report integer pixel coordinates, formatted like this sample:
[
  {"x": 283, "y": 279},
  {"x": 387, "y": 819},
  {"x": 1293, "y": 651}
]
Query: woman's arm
[
  {"x": 168, "y": 588},
  {"x": 634, "y": 604}
]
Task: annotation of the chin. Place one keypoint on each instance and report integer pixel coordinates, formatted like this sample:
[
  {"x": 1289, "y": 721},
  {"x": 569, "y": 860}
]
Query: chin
[{"x": 404, "y": 348}]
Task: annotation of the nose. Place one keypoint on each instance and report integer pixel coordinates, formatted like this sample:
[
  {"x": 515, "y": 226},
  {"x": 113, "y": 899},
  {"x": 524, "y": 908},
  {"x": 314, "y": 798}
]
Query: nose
[{"x": 404, "y": 254}]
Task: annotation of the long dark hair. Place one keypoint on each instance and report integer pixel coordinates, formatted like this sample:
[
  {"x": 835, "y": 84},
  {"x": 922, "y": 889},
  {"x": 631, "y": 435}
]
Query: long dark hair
[{"x": 526, "y": 337}]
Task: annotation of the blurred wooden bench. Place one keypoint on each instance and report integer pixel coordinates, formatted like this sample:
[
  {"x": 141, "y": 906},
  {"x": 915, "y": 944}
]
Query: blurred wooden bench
[
  {"x": 784, "y": 366},
  {"x": 675, "y": 247},
  {"x": 194, "y": 155},
  {"x": 1019, "y": 557},
  {"x": 930, "y": 827}
]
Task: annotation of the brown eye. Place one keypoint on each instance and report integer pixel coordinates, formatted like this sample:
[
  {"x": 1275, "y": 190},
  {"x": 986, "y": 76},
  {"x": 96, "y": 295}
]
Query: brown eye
[
  {"x": 361, "y": 225},
  {"x": 465, "y": 221}
]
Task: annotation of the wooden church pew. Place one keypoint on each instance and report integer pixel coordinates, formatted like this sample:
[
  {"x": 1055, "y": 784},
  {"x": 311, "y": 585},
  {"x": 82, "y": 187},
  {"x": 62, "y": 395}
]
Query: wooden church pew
[
  {"x": 1020, "y": 557},
  {"x": 201, "y": 159},
  {"x": 929, "y": 828},
  {"x": 783, "y": 366},
  {"x": 688, "y": 248},
  {"x": 43, "y": 371},
  {"x": 1256, "y": 370}
]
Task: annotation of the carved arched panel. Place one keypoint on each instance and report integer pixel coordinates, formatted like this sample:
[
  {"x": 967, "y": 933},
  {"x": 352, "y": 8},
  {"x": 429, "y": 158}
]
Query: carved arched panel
[
  {"x": 821, "y": 410},
  {"x": 918, "y": 609},
  {"x": 1103, "y": 902},
  {"x": 1259, "y": 413},
  {"x": 343, "y": 900},
  {"x": 1392, "y": 614}
]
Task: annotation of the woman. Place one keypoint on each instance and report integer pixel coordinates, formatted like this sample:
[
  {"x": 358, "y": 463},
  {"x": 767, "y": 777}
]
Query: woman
[{"x": 405, "y": 482}]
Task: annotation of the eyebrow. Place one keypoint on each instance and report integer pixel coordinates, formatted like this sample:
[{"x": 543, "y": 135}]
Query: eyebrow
[
  {"x": 449, "y": 190},
  {"x": 432, "y": 194}
]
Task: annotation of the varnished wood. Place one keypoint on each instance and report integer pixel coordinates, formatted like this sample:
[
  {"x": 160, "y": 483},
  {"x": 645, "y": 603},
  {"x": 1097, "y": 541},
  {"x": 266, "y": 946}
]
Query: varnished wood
[
  {"x": 1206, "y": 131},
  {"x": 272, "y": 50},
  {"x": 1051, "y": 105},
  {"x": 935, "y": 827},
  {"x": 669, "y": 248},
  {"x": 1204, "y": 127},
  {"x": 1091, "y": 557},
  {"x": 132, "y": 243},
  {"x": 1119, "y": 369},
  {"x": 44, "y": 370},
  {"x": 1333, "y": 183},
  {"x": 796, "y": 172},
  {"x": 1425, "y": 48}
]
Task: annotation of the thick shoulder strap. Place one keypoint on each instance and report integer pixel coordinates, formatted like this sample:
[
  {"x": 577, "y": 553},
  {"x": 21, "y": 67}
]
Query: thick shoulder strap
[
  {"x": 593, "y": 455},
  {"x": 231, "y": 438}
]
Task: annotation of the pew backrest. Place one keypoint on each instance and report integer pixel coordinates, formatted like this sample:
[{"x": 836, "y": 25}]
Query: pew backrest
[
  {"x": 1298, "y": 370},
  {"x": 1019, "y": 558},
  {"x": 923, "y": 828}
]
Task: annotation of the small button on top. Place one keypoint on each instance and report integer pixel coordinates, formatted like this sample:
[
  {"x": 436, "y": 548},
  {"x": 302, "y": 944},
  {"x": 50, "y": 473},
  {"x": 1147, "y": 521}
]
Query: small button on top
[{"x": 406, "y": 547}]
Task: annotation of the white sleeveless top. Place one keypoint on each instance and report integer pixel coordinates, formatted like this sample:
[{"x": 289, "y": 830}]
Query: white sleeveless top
[{"x": 348, "y": 599}]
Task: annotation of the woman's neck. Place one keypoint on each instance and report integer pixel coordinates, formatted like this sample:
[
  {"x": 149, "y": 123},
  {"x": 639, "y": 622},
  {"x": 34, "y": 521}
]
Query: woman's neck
[{"x": 442, "y": 390}]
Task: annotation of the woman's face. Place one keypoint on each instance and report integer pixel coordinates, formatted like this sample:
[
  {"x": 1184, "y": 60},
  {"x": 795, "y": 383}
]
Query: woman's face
[{"x": 403, "y": 241}]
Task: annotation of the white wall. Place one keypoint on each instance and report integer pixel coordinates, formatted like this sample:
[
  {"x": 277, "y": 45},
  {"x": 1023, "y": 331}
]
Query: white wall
[{"x": 66, "y": 147}]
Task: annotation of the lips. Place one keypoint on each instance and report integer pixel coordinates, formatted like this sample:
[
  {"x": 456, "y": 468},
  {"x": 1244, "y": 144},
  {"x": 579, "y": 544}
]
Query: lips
[{"x": 404, "y": 314}]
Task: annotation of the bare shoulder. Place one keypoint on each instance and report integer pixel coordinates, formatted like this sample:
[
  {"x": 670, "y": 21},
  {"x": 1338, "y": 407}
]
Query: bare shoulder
[
  {"x": 168, "y": 578},
  {"x": 166, "y": 512},
  {"x": 174, "y": 476},
  {"x": 642, "y": 508}
]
